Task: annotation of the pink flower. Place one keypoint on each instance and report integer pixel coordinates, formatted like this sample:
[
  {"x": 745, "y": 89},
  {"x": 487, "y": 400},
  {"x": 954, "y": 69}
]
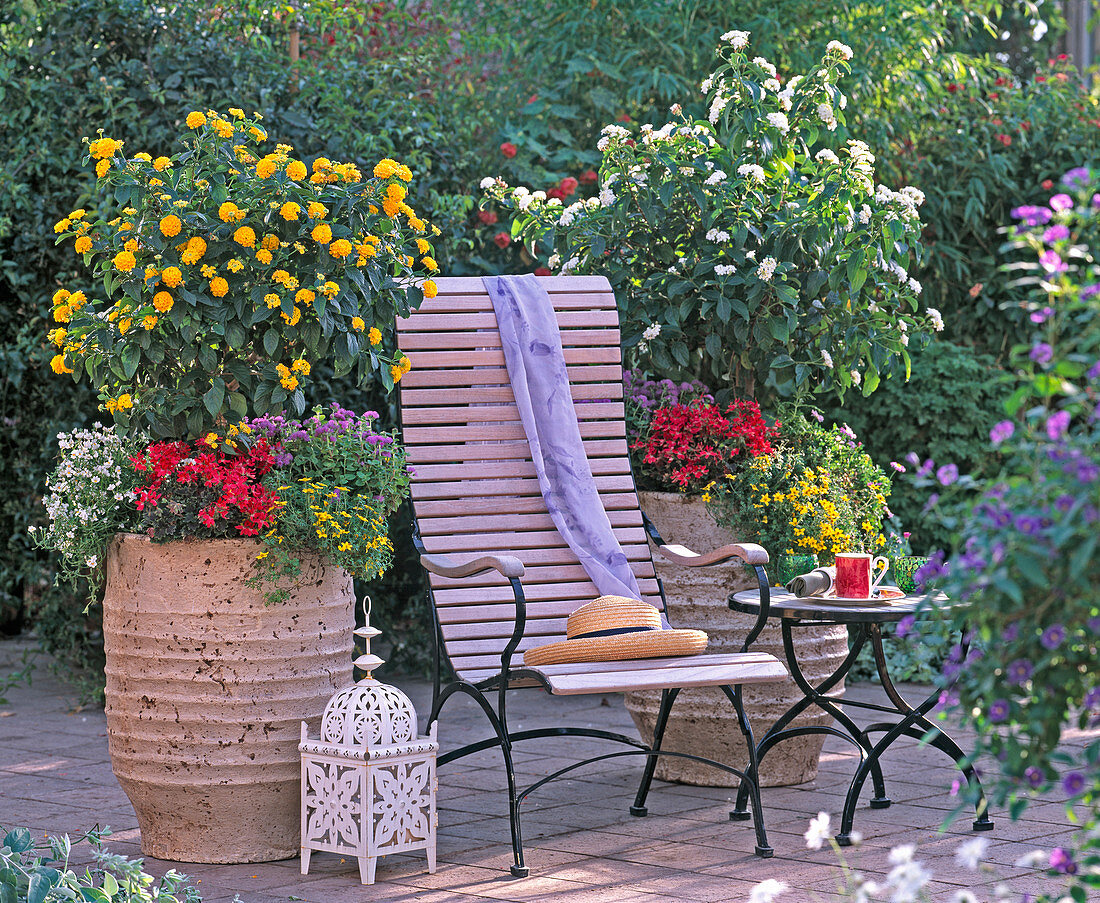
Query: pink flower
[{"x": 508, "y": 149}]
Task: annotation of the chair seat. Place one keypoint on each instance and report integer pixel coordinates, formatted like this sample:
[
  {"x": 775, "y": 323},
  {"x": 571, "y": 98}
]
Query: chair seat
[{"x": 578, "y": 679}]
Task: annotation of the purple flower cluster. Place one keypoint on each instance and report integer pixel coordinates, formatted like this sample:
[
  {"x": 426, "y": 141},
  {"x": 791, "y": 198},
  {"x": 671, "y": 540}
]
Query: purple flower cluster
[
  {"x": 649, "y": 394},
  {"x": 1078, "y": 177},
  {"x": 1032, "y": 215},
  {"x": 285, "y": 434}
]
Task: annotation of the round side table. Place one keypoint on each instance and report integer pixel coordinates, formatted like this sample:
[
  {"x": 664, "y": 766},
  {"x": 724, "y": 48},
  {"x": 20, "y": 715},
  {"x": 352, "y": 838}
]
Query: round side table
[{"x": 867, "y": 619}]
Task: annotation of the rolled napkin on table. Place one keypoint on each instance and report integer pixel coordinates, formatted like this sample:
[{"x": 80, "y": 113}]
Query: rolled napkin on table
[{"x": 816, "y": 583}]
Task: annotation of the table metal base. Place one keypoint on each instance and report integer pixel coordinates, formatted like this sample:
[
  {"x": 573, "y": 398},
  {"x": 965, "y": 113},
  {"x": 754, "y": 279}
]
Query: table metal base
[{"x": 912, "y": 723}]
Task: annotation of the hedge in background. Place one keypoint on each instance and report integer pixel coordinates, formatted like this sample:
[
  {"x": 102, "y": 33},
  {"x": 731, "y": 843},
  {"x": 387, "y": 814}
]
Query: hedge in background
[{"x": 944, "y": 412}]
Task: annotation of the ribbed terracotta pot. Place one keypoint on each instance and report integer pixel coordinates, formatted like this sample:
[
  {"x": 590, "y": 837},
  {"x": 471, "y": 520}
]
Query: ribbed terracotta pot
[
  {"x": 207, "y": 688},
  {"x": 703, "y": 721}
]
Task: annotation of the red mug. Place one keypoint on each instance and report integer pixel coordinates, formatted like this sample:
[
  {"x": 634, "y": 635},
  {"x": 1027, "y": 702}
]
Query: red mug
[{"x": 853, "y": 574}]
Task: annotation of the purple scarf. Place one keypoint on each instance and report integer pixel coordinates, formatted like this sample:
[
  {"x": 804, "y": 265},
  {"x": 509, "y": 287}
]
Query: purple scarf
[{"x": 536, "y": 367}]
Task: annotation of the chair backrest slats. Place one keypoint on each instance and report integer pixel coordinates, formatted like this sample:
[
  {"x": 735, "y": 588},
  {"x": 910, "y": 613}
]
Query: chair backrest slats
[{"x": 475, "y": 489}]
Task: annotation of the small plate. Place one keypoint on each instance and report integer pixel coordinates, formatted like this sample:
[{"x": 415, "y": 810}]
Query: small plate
[{"x": 883, "y": 595}]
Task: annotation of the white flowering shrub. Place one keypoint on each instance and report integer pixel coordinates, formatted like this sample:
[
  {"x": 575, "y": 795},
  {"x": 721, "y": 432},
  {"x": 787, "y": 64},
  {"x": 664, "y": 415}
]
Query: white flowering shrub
[
  {"x": 772, "y": 263},
  {"x": 89, "y": 497}
]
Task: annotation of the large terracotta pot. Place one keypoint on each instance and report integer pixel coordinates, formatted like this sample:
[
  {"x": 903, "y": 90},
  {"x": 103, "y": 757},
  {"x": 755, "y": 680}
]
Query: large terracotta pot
[
  {"x": 703, "y": 722},
  {"x": 207, "y": 688}
]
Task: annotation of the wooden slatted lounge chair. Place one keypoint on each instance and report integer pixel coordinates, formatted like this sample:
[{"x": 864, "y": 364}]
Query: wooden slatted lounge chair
[{"x": 502, "y": 578}]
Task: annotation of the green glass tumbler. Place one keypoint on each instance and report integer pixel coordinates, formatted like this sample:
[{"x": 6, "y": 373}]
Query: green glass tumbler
[
  {"x": 788, "y": 566},
  {"x": 903, "y": 570}
]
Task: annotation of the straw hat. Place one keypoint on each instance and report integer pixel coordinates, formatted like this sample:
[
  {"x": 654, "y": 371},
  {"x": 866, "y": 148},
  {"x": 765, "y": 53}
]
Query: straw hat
[{"x": 615, "y": 628}]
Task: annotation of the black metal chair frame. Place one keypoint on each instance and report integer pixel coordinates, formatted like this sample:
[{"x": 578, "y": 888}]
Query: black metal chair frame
[{"x": 504, "y": 738}]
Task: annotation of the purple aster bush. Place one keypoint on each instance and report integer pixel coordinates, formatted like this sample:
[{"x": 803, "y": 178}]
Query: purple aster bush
[{"x": 1025, "y": 539}]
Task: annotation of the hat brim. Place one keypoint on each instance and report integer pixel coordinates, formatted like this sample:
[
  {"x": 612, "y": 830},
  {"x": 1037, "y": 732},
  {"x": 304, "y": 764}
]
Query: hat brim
[{"x": 643, "y": 644}]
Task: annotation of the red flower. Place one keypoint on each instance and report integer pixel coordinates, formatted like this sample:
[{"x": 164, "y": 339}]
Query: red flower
[
  {"x": 568, "y": 186},
  {"x": 993, "y": 95},
  {"x": 1046, "y": 184},
  {"x": 502, "y": 239},
  {"x": 542, "y": 271},
  {"x": 690, "y": 445},
  {"x": 1040, "y": 78},
  {"x": 589, "y": 176},
  {"x": 1001, "y": 81},
  {"x": 487, "y": 217},
  {"x": 625, "y": 117},
  {"x": 508, "y": 149},
  {"x": 1006, "y": 140},
  {"x": 952, "y": 88},
  {"x": 555, "y": 192}
]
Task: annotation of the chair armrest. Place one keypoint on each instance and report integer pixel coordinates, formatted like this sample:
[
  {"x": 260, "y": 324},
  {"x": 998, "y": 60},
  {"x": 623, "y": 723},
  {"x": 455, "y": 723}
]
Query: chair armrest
[
  {"x": 446, "y": 566},
  {"x": 748, "y": 552}
]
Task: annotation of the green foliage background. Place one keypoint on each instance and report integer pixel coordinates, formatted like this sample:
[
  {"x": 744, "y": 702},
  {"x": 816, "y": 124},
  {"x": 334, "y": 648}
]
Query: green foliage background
[{"x": 441, "y": 91}]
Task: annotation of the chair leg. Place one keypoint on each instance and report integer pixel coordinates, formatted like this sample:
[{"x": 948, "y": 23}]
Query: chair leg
[
  {"x": 500, "y": 727},
  {"x": 667, "y": 698},
  {"x": 751, "y": 782}
]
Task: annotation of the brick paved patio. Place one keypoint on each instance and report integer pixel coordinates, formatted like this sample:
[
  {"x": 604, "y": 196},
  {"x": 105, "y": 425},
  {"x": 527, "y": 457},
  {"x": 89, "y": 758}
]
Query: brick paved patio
[{"x": 582, "y": 845}]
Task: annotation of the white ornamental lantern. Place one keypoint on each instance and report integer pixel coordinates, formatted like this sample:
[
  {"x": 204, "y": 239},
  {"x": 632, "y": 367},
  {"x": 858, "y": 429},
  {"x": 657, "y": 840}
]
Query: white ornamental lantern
[{"x": 369, "y": 784}]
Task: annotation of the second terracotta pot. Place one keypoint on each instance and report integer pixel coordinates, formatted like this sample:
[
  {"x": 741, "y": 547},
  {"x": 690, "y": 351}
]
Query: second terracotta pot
[{"x": 703, "y": 721}]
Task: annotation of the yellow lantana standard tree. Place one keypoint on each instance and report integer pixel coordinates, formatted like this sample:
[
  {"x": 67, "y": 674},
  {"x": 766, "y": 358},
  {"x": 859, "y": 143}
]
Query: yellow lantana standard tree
[{"x": 228, "y": 270}]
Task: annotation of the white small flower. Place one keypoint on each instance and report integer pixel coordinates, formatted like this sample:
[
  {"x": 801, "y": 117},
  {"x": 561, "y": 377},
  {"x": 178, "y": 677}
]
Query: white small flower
[
  {"x": 717, "y": 235},
  {"x": 818, "y": 832},
  {"x": 603, "y": 144},
  {"x": 571, "y": 264},
  {"x": 937, "y": 319},
  {"x": 651, "y": 332},
  {"x": 913, "y": 195},
  {"x": 751, "y": 255},
  {"x": 767, "y": 890},
  {"x": 827, "y": 156},
  {"x": 856, "y": 378},
  {"x": 865, "y": 214},
  {"x": 899, "y": 855},
  {"x": 844, "y": 51},
  {"x": 91, "y": 561},
  {"x": 772, "y": 84},
  {"x": 704, "y": 86},
  {"x": 765, "y": 65},
  {"x": 715, "y": 178},
  {"x": 716, "y": 108},
  {"x": 488, "y": 182},
  {"x": 752, "y": 170},
  {"x": 971, "y": 852},
  {"x": 554, "y": 202},
  {"x": 779, "y": 121},
  {"x": 539, "y": 195},
  {"x": 725, "y": 269},
  {"x": 1033, "y": 860},
  {"x": 676, "y": 109},
  {"x": 607, "y": 196},
  {"x": 738, "y": 39},
  {"x": 554, "y": 261},
  {"x": 766, "y": 268}
]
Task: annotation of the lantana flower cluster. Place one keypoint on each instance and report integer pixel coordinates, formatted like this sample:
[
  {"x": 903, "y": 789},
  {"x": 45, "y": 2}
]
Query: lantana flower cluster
[
  {"x": 230, "y": 270},
  {"x": 749, "y": 242}
]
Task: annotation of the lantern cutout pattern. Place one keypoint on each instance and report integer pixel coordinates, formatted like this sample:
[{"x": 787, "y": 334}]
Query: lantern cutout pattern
[{"x": 369, "y": 783}]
